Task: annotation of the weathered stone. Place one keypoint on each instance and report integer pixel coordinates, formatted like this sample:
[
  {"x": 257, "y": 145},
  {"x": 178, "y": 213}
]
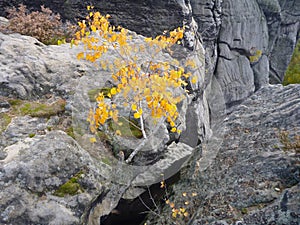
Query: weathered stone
[
  {"x": 34, "y": 168},
  {"x": 253, "y": 177},
  {"x": 3, "y": 22},
  {"x": 29, "y": 135},
  {"x": 251, "y": 41},
  {"x": 29, "y": 69},
  {"x": 269, "y": 26}
]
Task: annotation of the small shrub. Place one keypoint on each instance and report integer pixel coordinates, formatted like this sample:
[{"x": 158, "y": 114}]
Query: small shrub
[
  {"x": 44, "y": 25},
  {"x": 140, "y": 84}
]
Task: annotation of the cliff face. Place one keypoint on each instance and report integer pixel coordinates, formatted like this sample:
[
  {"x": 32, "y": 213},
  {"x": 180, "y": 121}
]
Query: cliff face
[
  {"x": 248, "y": 44},
  {"x": 236, "y": 160}
]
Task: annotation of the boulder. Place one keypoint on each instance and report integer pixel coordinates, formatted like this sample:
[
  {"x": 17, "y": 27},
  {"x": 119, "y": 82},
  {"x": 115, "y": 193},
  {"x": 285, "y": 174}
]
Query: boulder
[
  {"x": 47, "y": 179},
  {"x": 30, "y": 69}
]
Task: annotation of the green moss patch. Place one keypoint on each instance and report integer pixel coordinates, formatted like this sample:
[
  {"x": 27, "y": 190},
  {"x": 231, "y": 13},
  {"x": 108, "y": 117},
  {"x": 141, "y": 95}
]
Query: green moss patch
[
  {"x": 5, "y": 120},
  {"x": 71, "y": 187},
  {"x": 256, "y": 57},
  {"x": 70, "y": 132},
  {"x": 31, "y": 135},
  {"x": 107, "y": 161},
  {"x": 292, "y": 75},
  {"x": 36, "y": 109}
]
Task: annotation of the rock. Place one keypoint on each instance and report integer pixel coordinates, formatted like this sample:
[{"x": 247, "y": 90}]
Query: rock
[
  {"x": 254, "y": 176},
  {"x": 47, "y": 162},
  {"x": 34, "y": 170},
  {"x": 245, "y": 48},
  {"x": 30, "y": 70},
  {"x": 283, "y": 31},
  {"x": 270, "y": 27},
  {"x": 3, "y": 22}
]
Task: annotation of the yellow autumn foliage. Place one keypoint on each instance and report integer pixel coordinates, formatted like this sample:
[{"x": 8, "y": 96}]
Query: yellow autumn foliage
[{"x": 151, "y": 85}]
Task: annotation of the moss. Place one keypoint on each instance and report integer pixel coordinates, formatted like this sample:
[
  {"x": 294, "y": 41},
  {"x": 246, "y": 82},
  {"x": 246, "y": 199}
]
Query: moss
[
  {"x": 256, "y": 57},
  {"x": 36, "y": 109},
  {"x": 14, "y": 102},
  {"x": 70, "y": 132},
  {"x": 31, "y": 135},
  {"x": 71, "y": 187},
  {"x": 106, "y": 161},
  {"x": 5, "y": 120},
  {"x": 292, "y": 75}
]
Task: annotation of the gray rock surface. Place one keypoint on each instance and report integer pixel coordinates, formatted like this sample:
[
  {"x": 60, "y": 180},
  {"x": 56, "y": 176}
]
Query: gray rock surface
[
  {"x": 48, "y": 159},
  {"x": 251, "y": 178},
  {"x": 245, "y": 27},
  {"x": 29, "y": 69},
  {"x": 240, "y": 174},
  {"x": 34, "y": 169}
]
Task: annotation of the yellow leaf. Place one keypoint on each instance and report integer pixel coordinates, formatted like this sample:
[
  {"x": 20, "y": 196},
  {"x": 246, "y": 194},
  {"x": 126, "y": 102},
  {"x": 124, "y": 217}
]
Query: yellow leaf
[
  {"x": 118, "y": 132},
  {"x": 140, "y": 111},
  {"x": 134, "y": 107},
  {"x": 194, "y": 80},
  {"x": 80, "y": 55},
  {"x": 93, "y": 28},
  {"x": 186, "y": 214},
  {"x": 60, "y": 42},
  {"x": 93, "y": 140},
  {"x": 136, "y": 115},
  {"x": 113, "y": 91},
  {"x": 174, "y": 214},
  {"x": 173, "y": 129},
  {"x": 172, "y": 124},
  {"x": 148, "y": 39}
]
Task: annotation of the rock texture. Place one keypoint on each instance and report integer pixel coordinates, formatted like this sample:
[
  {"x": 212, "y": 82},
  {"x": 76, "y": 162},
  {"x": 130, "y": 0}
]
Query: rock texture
[
  {"x": 252, "y": 178},
  {"x": 241, "y": 174},
  {"x": 28, "y": 69},
  {"x": 45, "y": 165},
  {"x": 34, "y": 169},
  {"x": 267, "y": 30}
]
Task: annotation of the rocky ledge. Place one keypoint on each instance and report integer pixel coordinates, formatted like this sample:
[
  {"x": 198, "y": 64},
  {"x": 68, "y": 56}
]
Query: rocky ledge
[{"x": 250, "y": 172}]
